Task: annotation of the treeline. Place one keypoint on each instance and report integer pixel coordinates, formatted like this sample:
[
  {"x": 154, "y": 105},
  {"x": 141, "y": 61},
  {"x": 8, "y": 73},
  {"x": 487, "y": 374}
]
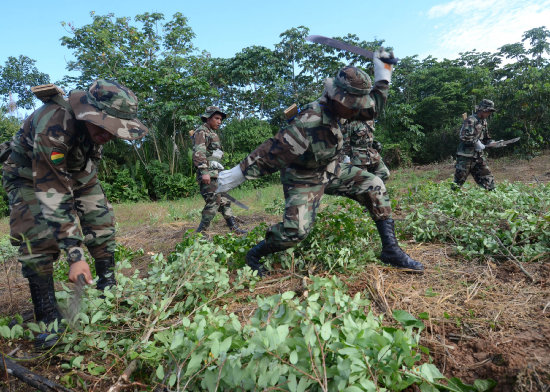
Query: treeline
[{"x": 175, "y": 81}]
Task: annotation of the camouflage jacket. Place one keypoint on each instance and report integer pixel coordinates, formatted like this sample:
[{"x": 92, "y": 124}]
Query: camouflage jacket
[
  {"x": 205, "y": 142},
  {"x": 473, "y": 129},
  {"x": 53, "y": 154},
  {"x": 306, "y": 150},
  {"x": 358, "y": 139}
]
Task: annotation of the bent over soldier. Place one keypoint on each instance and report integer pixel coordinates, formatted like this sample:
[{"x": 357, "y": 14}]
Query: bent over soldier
[
  {"x": 56, "y": 201},
  {"x": 361, "y": 148},
  {"x": 207, "y": 156},
  {"x": 470, "y": 156},
  {"x": 307, "y": 153}
]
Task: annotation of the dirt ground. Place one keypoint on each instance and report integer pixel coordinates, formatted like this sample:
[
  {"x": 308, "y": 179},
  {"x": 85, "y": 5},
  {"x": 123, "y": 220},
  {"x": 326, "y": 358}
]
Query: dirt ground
[{"x": 486, "y": 319}]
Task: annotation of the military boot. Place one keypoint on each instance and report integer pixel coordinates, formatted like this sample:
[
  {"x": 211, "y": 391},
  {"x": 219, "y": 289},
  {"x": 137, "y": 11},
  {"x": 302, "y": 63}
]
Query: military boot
[
  {"x": 105, "y": 269},
  {"x": 45, "y": 309},
  {"x": 392, "y": 254},
  {"x": 202, "y": 226},
  {"x": 254, "y": 255},
  {"x": 232, "y": 224}
]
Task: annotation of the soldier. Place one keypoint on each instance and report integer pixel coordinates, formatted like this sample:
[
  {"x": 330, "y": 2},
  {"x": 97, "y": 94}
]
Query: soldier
[
  {"x": 56, "y": 201},
  {"x": 307, "y": 152},
  {"x": 207, "y": 154},
  {"x": 362, "y": 150},
  {"x": 470, "y": 157}
]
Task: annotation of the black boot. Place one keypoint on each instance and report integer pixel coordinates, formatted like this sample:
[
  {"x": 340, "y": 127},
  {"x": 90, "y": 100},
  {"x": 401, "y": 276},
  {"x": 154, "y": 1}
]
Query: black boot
[
  {"x": 45, "y": 309},
  {"x": 105, "y": 269},
  {"x": 233, "y": 226},
  {"x": 254, "y": 255},
  {"x": 202, "y": 227},
  {"x": 391, "y": 252}
]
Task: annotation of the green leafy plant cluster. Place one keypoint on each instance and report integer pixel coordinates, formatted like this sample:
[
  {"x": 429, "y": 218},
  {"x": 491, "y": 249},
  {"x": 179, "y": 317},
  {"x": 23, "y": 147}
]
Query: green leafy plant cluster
[
  {"x": 343, "y": 237},
  {"x": 174, "y": 325},
  {"x": 513, "y": 220}
]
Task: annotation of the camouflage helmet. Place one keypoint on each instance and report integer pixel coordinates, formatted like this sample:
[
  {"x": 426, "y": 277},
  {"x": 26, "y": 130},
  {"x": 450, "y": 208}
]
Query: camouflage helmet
[
  {"x": 486, "y": 105},
  {"x": 351, "y": 87},
  {"x": 111, "y": 106},
  {"x": 210, "y": 111}
]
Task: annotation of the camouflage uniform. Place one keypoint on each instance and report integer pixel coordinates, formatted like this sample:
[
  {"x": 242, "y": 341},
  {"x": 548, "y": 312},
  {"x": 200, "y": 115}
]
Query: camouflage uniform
[
  {"x": 56, "y": 201},
  {"x": 470, "y": 159},
  {"x": 307, "y": 154},
  {"x": 207, "y": 154},
  {"x": 358, "y": 145}
]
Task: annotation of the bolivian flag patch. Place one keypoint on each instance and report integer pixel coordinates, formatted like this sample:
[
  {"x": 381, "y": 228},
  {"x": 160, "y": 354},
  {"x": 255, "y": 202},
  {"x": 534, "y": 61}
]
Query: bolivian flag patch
[{"x": 57, "y": 157}]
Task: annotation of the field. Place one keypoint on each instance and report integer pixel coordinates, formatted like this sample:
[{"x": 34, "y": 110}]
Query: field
[{"x": 486, "y": 317}]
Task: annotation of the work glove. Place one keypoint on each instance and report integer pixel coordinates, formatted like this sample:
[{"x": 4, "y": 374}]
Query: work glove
[
  {"x": 229, "y": 179},
  {"x": 346, "y": 159},
  {"x": 382, "y": 71},
  {"x": 478, "y": 146},
  {"x": 377, "y": 146},
  {"x": 216, "y": 165},
  {"x": 218, "y": 154}
]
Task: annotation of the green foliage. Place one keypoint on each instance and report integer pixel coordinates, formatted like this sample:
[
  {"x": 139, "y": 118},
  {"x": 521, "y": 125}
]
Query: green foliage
[
  {"x": 342, "y": 238},
  {"x": 9, "y": 125},
  {"x": 17, "y": 76},
  {"x": 121, "y": 186},
  {"x": 166, "y": 186},
  {"x": 514, "y": 219}
]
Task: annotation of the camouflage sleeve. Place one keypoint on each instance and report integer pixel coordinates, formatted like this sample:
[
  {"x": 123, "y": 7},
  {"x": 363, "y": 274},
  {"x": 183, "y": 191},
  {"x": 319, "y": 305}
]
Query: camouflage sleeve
[
  {"x": 346, "y": 132},
  {"x": 276, "y": 152},
  {"x": 52, "y": 180},
  {"x": 486, "y": 134},
  {"x": 199, "y": 152},
  {"x": 468, "y": 133},
  {"x": 380, "y": 95}
]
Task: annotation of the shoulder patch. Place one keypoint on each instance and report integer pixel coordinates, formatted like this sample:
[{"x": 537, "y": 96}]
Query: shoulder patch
[{"x": 57, "y": 157}]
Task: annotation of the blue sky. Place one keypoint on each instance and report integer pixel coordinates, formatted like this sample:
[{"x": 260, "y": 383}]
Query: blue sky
[{"x": 441, "y": 28}]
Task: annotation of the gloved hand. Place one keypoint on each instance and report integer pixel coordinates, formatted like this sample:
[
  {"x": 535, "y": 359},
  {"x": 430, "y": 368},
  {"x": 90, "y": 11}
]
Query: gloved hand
[
  {"x": 229, "y": 179},
  {"x": 218, "y": 154},
  {"x": 346, "y": 159},
  {"x": 377, "y": 146},
  {"x": 478, "y": 146},
  {"x": 216, "y": 165},
  {"x": 382, "y": 71}
]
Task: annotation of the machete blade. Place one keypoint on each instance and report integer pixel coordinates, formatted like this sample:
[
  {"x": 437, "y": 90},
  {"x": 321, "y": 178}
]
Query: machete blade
[{"x": 337, "y": 44}]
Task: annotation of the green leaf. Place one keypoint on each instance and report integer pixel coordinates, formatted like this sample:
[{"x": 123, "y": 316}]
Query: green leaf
[
  {"x": 288, "y": 295},
  {"x": 293, "y": 357},
  {"x": 97, "y": 316},
  {"x": 172, "y": 380},
  {"x": 430, "y": 372},
  {"x": 326, "y": 331},
  {"x": 6, "y": 332},
  {"x": 406, "y": 319},
  {"x": 160, "y": 372}
]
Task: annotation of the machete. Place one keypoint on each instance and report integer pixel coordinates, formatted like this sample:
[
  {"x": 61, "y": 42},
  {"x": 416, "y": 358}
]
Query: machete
[
  {"x": 334, "y": 43},
  {"x": 74, "y": 304},
  {"x": 501, "y": 143},
  {"x": 238, "y": 203}
]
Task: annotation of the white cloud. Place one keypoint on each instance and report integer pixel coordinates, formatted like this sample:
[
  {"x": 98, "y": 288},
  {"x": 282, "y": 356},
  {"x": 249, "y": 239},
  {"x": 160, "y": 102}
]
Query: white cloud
[{"x": 484, "y": 25}]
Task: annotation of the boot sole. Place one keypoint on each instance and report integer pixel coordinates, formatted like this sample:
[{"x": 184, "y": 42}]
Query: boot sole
[{"x": 404, "y": 269}]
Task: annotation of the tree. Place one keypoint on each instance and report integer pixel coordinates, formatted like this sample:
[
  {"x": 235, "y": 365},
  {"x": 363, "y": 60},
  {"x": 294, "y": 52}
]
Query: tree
[{"x": 17, "y": 76}]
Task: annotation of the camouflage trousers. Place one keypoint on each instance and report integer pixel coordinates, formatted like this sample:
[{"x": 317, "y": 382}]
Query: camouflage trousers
[
  {"x": 478, "y": 168},
  {"x": 38, "y": 248},
  {"x": 379, "y": 169},
  {"x": 214, "y": 202},
  {"x": 302, "y": 201}
]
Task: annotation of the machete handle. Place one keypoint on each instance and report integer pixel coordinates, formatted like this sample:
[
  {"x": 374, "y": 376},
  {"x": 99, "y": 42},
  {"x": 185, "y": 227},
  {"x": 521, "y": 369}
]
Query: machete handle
[
  {"x": 81, "y": 280},
  {"x": 389, "y": 60}
]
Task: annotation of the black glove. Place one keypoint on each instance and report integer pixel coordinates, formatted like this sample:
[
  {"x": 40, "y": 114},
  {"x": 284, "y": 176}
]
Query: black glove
[{"x": 377, "y": 146}]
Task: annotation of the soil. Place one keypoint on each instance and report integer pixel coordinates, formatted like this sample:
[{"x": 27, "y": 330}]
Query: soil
[{"x": 486, "y": 319}]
